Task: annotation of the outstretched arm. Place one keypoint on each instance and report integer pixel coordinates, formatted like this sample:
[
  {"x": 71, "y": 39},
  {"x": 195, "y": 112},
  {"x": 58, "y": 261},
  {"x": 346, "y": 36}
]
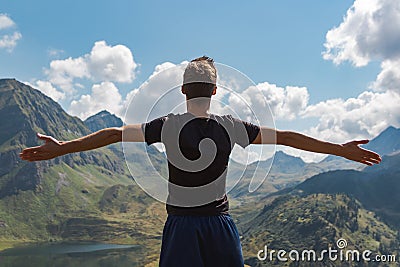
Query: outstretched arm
[
  {"x": 53, "y": 148},
  {"x": 350, "y": 150}
]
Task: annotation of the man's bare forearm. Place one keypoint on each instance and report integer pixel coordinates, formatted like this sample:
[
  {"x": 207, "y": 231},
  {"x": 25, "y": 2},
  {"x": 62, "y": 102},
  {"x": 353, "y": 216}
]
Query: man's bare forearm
[
  {"x": 53, "y": 148},
  {"x": 303, "y": 142},
  {"x": 95, "y": 140}
]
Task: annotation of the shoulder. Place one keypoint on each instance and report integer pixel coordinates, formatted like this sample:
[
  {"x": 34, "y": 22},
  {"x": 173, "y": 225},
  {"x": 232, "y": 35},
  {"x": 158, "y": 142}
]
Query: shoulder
[
  {"x": 232, "y": 120},
  {"x": 223, "y": 119}
]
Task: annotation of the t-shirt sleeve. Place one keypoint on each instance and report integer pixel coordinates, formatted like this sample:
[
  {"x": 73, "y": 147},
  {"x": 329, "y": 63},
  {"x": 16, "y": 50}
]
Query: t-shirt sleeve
[
  {"x": 245, "y": 132},
  {"x": 152, "y": 130}
]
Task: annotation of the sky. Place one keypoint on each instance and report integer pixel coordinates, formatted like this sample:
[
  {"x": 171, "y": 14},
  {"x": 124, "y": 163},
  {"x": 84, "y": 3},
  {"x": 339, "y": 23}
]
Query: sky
[{"x": 329, "y": 69}]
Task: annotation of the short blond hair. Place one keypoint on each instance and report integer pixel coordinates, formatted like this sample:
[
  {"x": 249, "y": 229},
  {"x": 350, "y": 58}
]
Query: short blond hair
[
  {"x": 200, "y": 69},
  {"x": 200, "y": 77}
]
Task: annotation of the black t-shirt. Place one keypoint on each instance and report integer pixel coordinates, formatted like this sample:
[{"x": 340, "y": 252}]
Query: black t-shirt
[{"x": 185, "y": 137}]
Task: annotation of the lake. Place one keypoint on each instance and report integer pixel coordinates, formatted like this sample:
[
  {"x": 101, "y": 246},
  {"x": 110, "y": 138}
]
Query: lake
[{"x": 72, "y": 254}]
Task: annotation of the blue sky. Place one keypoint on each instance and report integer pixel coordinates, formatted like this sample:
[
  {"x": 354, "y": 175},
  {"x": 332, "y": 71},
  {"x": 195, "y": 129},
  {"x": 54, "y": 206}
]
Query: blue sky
[{"x": 278, "y": 42}]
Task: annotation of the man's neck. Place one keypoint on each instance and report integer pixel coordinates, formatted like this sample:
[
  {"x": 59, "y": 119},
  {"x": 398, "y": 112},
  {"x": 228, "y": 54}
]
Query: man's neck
[{"x": 198, "y": 108}]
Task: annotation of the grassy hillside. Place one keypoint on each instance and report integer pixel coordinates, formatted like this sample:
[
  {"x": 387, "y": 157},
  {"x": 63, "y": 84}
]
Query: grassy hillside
[
  {"x": 316, "y": 222},
  {"x": 82, "y": 203}
]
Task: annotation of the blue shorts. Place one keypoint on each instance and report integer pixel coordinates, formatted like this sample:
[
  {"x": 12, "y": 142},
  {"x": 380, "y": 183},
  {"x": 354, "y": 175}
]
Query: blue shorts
[{"x": 200, "y": 241}]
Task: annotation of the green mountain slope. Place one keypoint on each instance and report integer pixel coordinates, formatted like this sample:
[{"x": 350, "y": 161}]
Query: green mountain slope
[
  {"x": 316, "y": 222},
  {"x": 377, "y": 187},
  {"x": 67, "y": 198},
  {"x": 24, "y": 112}
]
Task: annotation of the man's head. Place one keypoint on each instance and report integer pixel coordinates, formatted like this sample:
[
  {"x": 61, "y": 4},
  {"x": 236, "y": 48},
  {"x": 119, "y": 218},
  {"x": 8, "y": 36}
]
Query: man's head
[{"x": 200, "y": 78}]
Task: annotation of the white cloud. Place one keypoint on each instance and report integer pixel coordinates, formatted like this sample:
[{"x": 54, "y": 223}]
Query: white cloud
[
  {"x": 161, "y": 94},
  {"x": 285, "y": 103},
  {"x": 63, "y": 72},
  {"x": 389, "y": 77},
  {"x": 343, "y": 120},
  {"x": 369, "y": 31},
  {"x": 103, "y": 63},
  {"x": 339, "y": 120},
  {"x": 157, "y": 96},
  {"x": 162, "y": 67},
  {"x": 111, "y": 63},
  {"x": 6, "y": 22},
  {"x": 103, "y": 96},
  {"x": 362, "y": 117},
  {"x": 53, "y": 52},
  {"x": 9, "y": 40}
]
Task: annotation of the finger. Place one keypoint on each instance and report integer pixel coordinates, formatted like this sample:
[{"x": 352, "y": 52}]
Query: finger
[
  {"x": 30, "y": 150},
  {"x": 26, "y": 156},
  {"x": 33, "y": 153},
  {"x": 38, "y": 157},
  {"x": 375, "y": 156},
  {"x": 372, "y": 154},
  {"x": 365, "y": 162},
  {"x": 376, "y": 161},
  {"x": 43, "y": 137},
  {"x": 361, "y": 142}
]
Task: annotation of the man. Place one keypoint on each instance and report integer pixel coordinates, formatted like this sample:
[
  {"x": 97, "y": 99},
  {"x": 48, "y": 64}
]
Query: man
[{"x": 199, "y": 230}]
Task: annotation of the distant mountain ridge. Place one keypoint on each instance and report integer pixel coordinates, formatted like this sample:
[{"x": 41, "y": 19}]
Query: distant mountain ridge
[
  {"x": 377, "y": 187},
  {"x": 101, "y": 120},
  {"x": 386, "y": 143}
]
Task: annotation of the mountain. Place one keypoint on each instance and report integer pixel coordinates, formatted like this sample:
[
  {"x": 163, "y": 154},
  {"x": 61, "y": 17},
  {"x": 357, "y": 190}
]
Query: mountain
[
  {"x": 287, "y": 171},
  {"x": 361, "y": 206},
  {"x": 283, "y": 163},
  {"x": 81, "y": 196},
  {"x": 385, "y": 143},
  {"x": 24, "y": 112},
  {"x": 280, "y": 172},
  {"x": 377, "y": 188},
  {"x": 103, "y": 119},
  {"x": 315, "y": 222}
]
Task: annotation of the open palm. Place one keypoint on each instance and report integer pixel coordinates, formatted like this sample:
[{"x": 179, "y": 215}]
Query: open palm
[
  {"x": 353, "y": 151},
  {"x": 50, "y": 149}
]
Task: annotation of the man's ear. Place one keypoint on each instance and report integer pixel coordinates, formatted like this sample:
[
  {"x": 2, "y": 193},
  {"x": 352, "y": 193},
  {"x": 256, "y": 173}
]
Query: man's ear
[
  {"x": 214, "y": 91},
  {"x": 183, "y": 90}
]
